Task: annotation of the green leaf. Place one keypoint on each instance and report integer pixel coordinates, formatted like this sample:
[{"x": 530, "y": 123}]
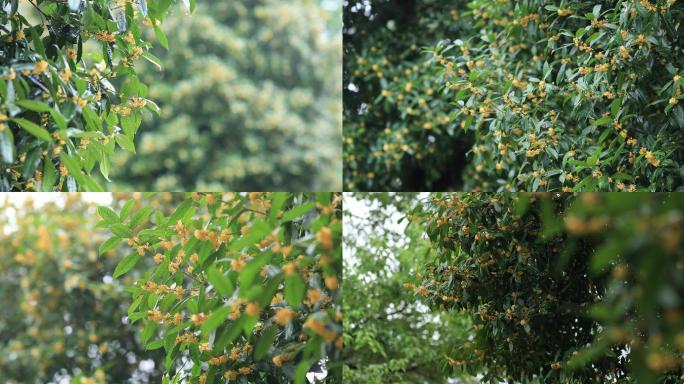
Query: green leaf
[
  {"x": 615, "y": 107},
  {"x": 6, "y": 147},
  {"x": 33, "y": 105},
  {"x": 215, "y": 319},
  {"x": 300, "y": 374},
  {"x": 77, "y": 174},
  {"x": 126, "y": 210},
  {"x": 125, "y": 143},
  {"x": 121, "y": 231},
  {"x": 104, "y": 167},
  {"x": 147, "y": 333},
  {"x": 59, "y": 119},
  {"x": 110, "y": 244},
  {"x": 298, "y": 211},
  {"x": 606, "y": 254},
  {"x": 108, "y": 214},
  {"x": 155, "y": 344},
  {"x": 250, "y": 271},
  {"x": 49, "y": 175},
  {"x": 265, "y": 342},
  {"x": 602, "y": 121},
  {"x": 92, "y": 119},
  {"x": 126, "y": 264},
  {"x": 180, "y": 212},
  {"x": 277, "y": 204},
  {"x": 230, "y": 333},
  {"x": 221, "y": 283},
  {"x": 257, "y": 231},
  {"x": 141, "y": 217},
  {"x": 294, "y": 290},
  {"x": 33, "y": 129},
  {"x": 161, "y": 37}
]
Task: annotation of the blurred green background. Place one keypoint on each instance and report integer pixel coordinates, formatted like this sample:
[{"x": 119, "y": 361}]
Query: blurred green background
[
  {"x": 250, "y": 95},
  {"x": 64, "y": 318}
]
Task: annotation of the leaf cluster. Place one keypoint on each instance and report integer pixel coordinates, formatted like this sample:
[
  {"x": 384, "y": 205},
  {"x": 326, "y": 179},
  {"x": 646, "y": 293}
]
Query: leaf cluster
[
  {"x": 244, "y": 288},
  {"x": 69, "y": 94}
]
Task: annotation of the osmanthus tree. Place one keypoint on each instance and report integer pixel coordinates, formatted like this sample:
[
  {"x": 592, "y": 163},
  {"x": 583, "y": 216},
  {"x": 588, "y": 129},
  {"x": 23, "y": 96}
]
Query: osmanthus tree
[
  {"x": 545, "y": 95},
  {"x": 63, "y": 315},
  {"x": 250, "y": 100},
  {"x": 398, "y": 130},
  {"x": 561, "y": 288},
  {"x": 389, "y": 337},
  {"x": 69, "y": 94},
  {"x": 244, "y": 288}
]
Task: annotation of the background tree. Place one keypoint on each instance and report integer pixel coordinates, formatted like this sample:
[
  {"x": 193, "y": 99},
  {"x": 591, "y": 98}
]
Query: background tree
[
  {"x": 389, "y": 336},
  {"x": 244, "y": 288},
  {"x": 63, "y": 315},
  {"x": 68, "y": 90},
  {"x": 561, "y": 288},
  {"x": 249, "y": 98}
]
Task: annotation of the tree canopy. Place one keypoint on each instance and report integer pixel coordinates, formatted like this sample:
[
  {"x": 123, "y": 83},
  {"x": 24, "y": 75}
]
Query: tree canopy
[
  {"x": 250, "y": 98},
  {"x": 493, "y": 95},
  {"x": 560, "y": 287},
  {"x": 389, "y": 337}
]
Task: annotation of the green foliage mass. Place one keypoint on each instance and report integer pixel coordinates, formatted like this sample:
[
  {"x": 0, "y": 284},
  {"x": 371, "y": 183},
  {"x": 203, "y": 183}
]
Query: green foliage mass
[
  {"x": 561, "y": 288},
  {"x": 244, "y": 287},
  {"x": 537, "y": 95},
  {"x": 250, "y": 100},
  {"x": 62, "y": 315},
  {"x": 396, "y": 93},
  {"x": 389, "y": 338},
  {"x": 69, "y": 94}
]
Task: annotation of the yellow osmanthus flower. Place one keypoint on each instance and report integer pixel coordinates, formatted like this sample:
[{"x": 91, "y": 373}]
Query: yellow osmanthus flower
[
  {"x": 290, "y": 269},
  {"x": 624, "y": 52},
  {"x": 278, "y": 360},
  {"x": 252, "y": 309},
  {"x": 105, "y": 37},
  {"x": 40, "y": 67},
  {"x": 331, "y": 283},
  {"x": 198, "y": 318},
  {"x": 138, "y": 102},
  {"x": 237, "y": 264},
  {"x": 602, "y": 67},
  {"x": 79, "y": 101},
  {"x": 324, "y": 238},
  {"x": 284, "y": 316},
  {"x": 650, "y": 157}
]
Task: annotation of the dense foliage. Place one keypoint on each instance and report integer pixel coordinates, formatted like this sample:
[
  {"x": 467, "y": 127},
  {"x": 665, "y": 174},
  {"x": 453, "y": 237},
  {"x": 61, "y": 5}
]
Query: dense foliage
[
  {"x": 250, "y": 100},
  {"x": 63, "y": 315},
  {"x": 561, "y": 288},
  {"x": 543, "y": 95},
  {"x": 397, "y": 128},
  {"x": 69, "y": 94},
  {"x": 388, "y": 337},
  {"x": 244, "y": 288}
]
